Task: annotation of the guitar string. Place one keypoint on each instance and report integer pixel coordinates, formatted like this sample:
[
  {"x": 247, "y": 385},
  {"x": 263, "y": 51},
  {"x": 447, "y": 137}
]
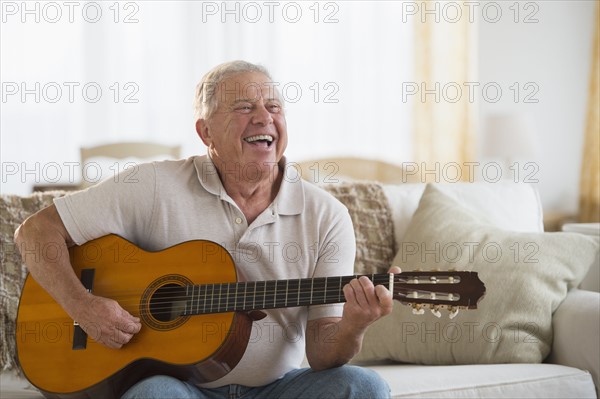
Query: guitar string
[
  {"x": 128, "y": 292},
  {"x": 166, "y": 308},
  {"x": 380, "y": 280},
  {"x": 133, "y": 300},
  {"x": 124, "y": 295}
]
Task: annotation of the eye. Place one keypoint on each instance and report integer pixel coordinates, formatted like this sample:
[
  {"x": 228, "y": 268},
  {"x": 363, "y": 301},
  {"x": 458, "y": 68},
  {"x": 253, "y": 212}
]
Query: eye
[
  {"x": 243, "y": 107},
  {"x": 274, "y": 108}
]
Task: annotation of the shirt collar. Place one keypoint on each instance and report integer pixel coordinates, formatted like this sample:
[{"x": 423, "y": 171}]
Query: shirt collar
[{"x": 289, "y": 200}]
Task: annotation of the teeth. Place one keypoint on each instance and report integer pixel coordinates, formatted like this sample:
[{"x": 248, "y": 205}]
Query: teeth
[{"x": 259, "y": 137}]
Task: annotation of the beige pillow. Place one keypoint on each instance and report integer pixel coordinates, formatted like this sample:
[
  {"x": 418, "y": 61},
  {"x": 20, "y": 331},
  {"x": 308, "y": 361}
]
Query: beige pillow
[{"x": 527, "y": 275}]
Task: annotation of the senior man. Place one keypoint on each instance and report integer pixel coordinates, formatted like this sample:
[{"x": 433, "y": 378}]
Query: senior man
[{"x": 243, "y": 195}]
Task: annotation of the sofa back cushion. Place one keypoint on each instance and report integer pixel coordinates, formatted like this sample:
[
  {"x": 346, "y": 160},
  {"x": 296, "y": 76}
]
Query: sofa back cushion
[{"x": 507, "y": 205}]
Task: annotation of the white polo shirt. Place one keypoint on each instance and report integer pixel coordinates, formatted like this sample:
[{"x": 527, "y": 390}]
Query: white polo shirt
[{"x": 304, "y": 233}]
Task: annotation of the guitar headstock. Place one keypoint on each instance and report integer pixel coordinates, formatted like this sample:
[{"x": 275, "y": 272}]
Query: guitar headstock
[{"x": 452, "y": 290}]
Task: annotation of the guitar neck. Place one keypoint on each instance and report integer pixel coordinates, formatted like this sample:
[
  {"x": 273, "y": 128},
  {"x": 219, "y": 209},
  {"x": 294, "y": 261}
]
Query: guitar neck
[{"x": 272, "y": 294}]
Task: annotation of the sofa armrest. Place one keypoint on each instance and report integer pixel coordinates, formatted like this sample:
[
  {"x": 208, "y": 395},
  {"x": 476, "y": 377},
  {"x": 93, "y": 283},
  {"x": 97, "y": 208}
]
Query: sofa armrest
[{"x": 576, "y": 325}]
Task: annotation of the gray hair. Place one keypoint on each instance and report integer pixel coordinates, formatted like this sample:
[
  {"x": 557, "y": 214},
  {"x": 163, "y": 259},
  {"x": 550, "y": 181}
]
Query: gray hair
[{"x": 205, "y": 102}]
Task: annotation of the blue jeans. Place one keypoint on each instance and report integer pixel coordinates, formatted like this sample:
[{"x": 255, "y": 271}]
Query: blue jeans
[{"x": 340, "y": 382}]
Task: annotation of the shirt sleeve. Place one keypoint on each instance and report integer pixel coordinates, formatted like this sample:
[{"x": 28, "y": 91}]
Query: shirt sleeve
[
  {"x": 122, "y": 205},
  {"x": 336, "y": 258}
]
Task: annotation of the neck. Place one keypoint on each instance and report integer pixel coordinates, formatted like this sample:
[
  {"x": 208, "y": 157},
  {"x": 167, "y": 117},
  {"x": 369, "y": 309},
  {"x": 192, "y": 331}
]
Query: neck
[
  {"x": 252, "y": 187},
  {"x": 259, "y": 295}
]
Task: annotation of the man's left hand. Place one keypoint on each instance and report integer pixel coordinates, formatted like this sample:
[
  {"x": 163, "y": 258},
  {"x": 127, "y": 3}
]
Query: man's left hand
[{"x": 365, "y": 303}]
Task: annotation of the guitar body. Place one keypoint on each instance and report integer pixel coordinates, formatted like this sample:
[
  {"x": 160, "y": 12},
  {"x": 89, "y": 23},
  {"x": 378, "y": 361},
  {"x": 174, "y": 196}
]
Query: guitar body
[{"x": 58, "y": 358}]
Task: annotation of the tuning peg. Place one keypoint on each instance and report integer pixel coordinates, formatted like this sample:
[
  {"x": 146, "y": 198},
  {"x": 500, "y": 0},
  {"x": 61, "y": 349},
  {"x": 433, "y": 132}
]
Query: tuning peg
[
  {"x": 453, "y": 312},
  {"x": 435, "y": 311},
  {"x": 417, "y": 309}
]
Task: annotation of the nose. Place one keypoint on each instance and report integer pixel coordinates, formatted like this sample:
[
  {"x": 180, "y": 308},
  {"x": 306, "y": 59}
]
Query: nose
[{"x": 261, "y": 116}]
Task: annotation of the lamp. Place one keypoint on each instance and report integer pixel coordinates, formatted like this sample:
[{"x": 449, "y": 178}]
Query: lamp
[{"x": 509, "y": 137}]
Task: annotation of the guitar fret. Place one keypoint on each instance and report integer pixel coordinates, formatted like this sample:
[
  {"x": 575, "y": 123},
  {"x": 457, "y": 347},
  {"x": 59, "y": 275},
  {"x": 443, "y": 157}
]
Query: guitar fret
[
  {"x": 245, "y": 294},
  {"x": 312, "y": 283},
  {"x": 196, "y": 299},
  {"x": 191, "y": 299},
  {"x": 287, "y": 285},
  {"x": 325, "y": 291},
  {"x": 340, "y": 292},
  {"x": 227, "y": 300},
  {"x": 187, "y": 295},
  {"x": 254, "y": 296},
  {"x": 265, "y": 296},
  {"x": 236, "y": 297},
  {"x": 204, "y": 304},
  {"x": 220, "y": 294},
  {"x": 279, "y": 294},
  {"x": 293, "y": 286}
]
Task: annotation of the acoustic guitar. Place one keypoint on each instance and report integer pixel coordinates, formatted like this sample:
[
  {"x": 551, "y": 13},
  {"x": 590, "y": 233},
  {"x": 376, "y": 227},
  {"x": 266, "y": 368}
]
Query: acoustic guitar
[{"x": 194, "y": 313}]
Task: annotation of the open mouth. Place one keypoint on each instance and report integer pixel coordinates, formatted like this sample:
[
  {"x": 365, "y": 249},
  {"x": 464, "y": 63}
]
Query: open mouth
[{"x": 263, "y": 139}]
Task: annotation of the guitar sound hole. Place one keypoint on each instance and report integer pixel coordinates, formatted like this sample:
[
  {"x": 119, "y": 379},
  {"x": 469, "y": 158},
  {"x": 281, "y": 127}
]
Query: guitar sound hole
[{"x": 168, "y": 303}]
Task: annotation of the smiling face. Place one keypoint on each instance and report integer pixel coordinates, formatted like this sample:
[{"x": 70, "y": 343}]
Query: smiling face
[{"x": 248, "y": 125}]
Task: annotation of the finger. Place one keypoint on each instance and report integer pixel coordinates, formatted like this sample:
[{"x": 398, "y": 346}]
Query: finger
[
  {"x": 352, "y": 293},
  {"x": 359, "y": 292},
  {"x": 386, "y": 301},
  {"x": 120, "y": 337},
  {"x": 395, "y": 270},
  {"x": 368, "y": 289},
  {"x": 112, "y": 344},
  {"x": 132, "y": 327},
  {"x": 349, "y": 293}
]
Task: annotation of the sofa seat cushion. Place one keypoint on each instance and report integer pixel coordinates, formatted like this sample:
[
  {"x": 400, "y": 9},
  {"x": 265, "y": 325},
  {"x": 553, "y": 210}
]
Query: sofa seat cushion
[
  {"x": 487, "y": 381},
  {"x": 466, "y": 381},
  {"x": 13, "y": 387}
]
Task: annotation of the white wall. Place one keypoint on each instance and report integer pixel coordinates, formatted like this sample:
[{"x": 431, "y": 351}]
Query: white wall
[
  {"x": 366, "y": 53},
  {"x": 554, "y": 54},
  {"x": 351, "y": 51}
]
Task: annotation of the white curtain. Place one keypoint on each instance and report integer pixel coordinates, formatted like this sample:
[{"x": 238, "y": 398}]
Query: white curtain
[
  {"x": 445, "y": 51},
  {"x": 108, "y": 71}
]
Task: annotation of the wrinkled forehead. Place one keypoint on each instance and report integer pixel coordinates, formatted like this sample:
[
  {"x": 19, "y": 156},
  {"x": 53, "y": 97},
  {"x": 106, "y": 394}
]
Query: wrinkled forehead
[{"x": 246, "y": 86}]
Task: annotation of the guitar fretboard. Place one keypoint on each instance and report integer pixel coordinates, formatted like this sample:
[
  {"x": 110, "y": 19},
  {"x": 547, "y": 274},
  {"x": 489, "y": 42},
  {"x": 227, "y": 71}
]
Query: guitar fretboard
[{"x": 272, "y": 294}]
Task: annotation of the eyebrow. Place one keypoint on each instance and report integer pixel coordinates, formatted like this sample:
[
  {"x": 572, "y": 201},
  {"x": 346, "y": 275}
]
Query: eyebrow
[{"x": 253, "y": 100}]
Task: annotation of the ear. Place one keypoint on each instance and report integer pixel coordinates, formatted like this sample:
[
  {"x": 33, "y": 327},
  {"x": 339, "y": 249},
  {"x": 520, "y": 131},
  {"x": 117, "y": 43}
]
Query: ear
[{"x": 203, "y": 131}]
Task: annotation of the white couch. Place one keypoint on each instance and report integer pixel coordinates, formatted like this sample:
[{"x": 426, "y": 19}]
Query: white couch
[{"x": 570, "y": 371}]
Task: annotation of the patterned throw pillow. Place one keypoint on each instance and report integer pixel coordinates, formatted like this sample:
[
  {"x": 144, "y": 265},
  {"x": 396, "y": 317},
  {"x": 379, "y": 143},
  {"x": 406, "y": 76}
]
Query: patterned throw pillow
[
  {"x": 372, "y": 220},
  {"x": 14, "y": 210}
]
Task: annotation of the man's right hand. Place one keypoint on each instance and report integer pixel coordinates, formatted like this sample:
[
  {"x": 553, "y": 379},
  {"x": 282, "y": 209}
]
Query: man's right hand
[{"x": 105, "y": 321}]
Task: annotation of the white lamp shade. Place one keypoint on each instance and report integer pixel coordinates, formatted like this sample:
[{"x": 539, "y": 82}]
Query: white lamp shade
[{"x": 509, "y": 136}]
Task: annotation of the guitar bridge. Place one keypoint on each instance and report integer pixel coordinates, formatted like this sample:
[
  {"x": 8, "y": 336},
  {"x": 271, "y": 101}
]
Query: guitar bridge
[{"x": 80, "y": 336}]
